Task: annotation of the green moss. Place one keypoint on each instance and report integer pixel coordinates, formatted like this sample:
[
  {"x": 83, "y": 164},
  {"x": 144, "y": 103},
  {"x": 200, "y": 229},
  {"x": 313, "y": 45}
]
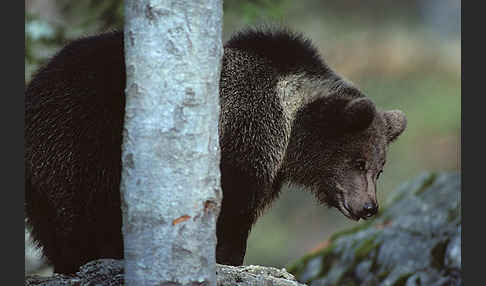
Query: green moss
[
  {"x": 296, "y": 267},
  {"x": 365, "y": 247},
  {"x": 352, "y": 230},
  {"x": 361, "y": 252},
  {"x": 347, "y": 282},
  {"x": 382, "y": 275},
  {"x": 345, "y": 277},
  {"x": 327, "y": 262},
  {"x": 326, "y": 255},
  {"x": 402, "y": 280},
  {"x": 427, "y": 183}
]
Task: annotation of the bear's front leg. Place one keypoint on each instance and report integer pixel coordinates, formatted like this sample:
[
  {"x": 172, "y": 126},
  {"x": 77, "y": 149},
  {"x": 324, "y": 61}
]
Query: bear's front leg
[
  {"x": 239, "y": 210},
  {"x": 232, "y": 233}
]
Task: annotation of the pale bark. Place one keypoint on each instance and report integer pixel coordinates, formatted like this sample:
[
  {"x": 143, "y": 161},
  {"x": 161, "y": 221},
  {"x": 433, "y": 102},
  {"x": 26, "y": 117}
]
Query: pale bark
[{"x": 170, "y": 183}]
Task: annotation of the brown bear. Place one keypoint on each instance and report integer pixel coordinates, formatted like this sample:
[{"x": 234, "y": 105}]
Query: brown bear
[{"x": 286, "y": 117}]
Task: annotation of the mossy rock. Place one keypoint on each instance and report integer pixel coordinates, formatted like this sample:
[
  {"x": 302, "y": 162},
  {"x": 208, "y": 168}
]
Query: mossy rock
[{"x": 414, "y": 240}]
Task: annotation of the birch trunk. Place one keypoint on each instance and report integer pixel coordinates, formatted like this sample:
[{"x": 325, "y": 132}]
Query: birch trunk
[{"x": 170, "y": 183}]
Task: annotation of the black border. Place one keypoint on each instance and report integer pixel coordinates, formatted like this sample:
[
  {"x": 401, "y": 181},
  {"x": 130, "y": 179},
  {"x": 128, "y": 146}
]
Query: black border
[
  {"x": 12, "y": 122},
  {"x": 472, "y": 94}
]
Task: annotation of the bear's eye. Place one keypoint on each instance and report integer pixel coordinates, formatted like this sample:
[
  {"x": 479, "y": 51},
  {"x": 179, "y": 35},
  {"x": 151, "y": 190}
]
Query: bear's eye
[
  {"x": 379, "y": 173},
  {"x": 360, "y": 164}
]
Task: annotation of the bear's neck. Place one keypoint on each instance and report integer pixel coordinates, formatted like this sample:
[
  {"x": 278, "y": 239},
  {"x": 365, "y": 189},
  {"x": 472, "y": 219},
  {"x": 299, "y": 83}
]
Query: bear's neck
[{"x": 297, "y": 90}]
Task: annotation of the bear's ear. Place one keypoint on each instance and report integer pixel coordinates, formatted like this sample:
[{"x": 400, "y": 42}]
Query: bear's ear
[
  {"x": 358, "y": 114},
  {"x": 396, "y": 122}
]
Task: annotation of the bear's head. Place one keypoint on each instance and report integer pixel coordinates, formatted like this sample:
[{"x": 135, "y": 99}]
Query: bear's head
[{"x": 338, "y": 150}]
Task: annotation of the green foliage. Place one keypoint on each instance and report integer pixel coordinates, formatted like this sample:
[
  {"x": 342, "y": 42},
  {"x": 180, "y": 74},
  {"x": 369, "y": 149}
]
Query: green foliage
[
  {"x": 43, "y": 37},
  {"x": 93, "y": 14},
  {"x": 41, "y": 41},
  {"x": 257, "y": 10}
]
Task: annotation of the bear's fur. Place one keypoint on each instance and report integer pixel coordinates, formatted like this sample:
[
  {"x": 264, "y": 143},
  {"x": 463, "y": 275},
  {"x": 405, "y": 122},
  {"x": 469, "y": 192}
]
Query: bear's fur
[{"x": 286, "y": 117}]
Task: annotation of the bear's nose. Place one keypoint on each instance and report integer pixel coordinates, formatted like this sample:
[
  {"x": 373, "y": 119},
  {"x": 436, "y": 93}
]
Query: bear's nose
[{"x": 369, "y": 209}]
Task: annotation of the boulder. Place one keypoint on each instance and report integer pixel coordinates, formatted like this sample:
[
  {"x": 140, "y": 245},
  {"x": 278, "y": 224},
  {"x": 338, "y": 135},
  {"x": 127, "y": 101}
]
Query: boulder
[{"x": 414, "y": 240}]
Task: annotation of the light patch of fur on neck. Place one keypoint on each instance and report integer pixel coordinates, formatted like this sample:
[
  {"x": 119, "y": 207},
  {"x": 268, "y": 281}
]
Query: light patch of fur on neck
[
  {"x": 298, "y": 90},
  {"x": 288, "y": 184}
]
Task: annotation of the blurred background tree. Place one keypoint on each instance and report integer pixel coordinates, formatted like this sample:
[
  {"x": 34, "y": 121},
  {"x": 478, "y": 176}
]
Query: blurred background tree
[{"x": 403, "y": 54}]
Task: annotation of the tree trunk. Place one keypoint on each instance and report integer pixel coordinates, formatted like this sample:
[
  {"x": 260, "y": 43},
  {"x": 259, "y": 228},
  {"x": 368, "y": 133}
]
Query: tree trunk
[{"x": 170, "y": 183}]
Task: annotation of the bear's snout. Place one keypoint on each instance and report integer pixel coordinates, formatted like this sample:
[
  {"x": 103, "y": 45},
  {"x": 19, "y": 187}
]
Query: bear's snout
[{"x": 369, "y": 209}]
